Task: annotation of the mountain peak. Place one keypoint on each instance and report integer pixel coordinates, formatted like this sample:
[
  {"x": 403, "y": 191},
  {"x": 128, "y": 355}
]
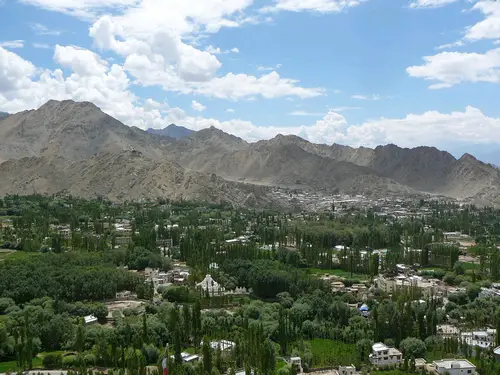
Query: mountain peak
[
  {"x": 468, "y": 157},
  {"x": 172, "y": 131}
]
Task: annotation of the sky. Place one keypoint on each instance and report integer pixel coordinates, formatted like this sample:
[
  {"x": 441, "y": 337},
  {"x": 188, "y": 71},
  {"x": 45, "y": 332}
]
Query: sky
[{"x": 355, "y": 72}]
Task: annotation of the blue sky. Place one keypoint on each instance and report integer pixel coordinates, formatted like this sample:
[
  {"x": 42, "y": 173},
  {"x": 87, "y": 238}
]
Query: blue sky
[{"x": 366, "y": 72}]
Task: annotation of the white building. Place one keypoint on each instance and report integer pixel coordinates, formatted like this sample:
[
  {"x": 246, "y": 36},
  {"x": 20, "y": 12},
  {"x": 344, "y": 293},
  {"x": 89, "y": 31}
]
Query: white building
[
  {"x": 382, "y": 355},
  {"x": 210, "y": 285},
  {"x": 90, "y": 319},
  {"x": 483, "y": 339},
  {"x": 188, "y": 358},
  {"x": 222, "y": 344},
  {"x": 347, "y": 370},
  {"x": 453, "y": 367}
]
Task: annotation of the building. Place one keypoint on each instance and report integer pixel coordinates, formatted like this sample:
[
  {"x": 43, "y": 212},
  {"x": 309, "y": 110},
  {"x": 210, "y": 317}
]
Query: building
[
  {"x": 382, "y": 355},
  {"x": 224, "y": 345},
  {"x": 209, "y": 285},
  {"x": 496, "y": 352},
  {"x": 188, "y": 358},
  {"x": 90, "y": 319},
  {"x": 400, "y": 282},
  {"x": 483, "y": 339},
  {"x": 453, "y": 367},
  {"x": 347, "y": 370},
  {"x": 296, "y": 363}
]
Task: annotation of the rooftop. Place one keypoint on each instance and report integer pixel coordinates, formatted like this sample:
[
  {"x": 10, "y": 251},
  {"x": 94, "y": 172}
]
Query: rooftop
[
  {"x": 448, "y": 364},
  {"x": 379, "y": 347}
]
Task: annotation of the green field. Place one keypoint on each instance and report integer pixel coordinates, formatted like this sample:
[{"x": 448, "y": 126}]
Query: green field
[
  {"x": 12, "y": 365},
  {"x": 332, "y": 353},
  {"x": 337, "y": 272},
  {"x": 15, "y": 254}
]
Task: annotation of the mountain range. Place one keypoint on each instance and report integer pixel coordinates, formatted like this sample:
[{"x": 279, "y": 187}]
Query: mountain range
[
  {"x": 172, "y": 131},
  {"x": 75, "y": 147}
]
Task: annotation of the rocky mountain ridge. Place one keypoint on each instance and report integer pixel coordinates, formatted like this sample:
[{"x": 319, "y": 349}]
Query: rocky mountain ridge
[{"x": 77, "y": 148}]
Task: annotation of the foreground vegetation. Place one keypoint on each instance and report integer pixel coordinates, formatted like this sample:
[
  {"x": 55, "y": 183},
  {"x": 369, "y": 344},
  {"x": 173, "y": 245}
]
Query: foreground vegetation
[{"x": 63, "y": 259}]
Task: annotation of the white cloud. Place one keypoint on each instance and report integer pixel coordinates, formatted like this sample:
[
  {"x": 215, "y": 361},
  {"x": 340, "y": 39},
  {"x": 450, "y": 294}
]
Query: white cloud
[
  {"x": 81, "y": 61},
  {"x": 12, "y": 44},
  {"x": 217, "y": 51},
  {"x": 430, "y": 3},
  {"x": 366, "y": 97},
  {"x": 41, "y": 45},
  {"x": 230, "y": 110},
  {"x": 430, "y": 128},
  {"x": 458, "y": 43},
  {"x": 41, "y": 29},
  {"x": 15, "y": 72},
  {"x": 451, "y": 68},
  {"x": 320, "y": 6},
  {"x": 269, "y": 86},
  {"x": 489, "y": 28},
  {"x": 305, "y": 113},
  {"x": 85, "y": 9},
  {"x": 23, "y": 86},
  {"x": 197, "y": 106}
]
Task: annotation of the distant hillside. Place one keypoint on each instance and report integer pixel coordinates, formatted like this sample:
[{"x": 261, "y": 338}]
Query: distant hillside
[
  {"x": 3, "y": 115},
  {"x": 172, "y": 131},
  {"x": 76, "y": 147}
]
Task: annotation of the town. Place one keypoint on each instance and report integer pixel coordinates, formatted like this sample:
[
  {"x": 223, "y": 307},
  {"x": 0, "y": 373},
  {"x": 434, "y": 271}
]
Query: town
[{"x": 351, "y": 286}]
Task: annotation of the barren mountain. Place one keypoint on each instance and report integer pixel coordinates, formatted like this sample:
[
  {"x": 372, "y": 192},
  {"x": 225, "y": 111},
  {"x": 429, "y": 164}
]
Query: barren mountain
[
  {"x": 172, "y": 131},
  {"x": 126, "y": 175},
  {"x": 73, "y": 130},
  {"x": 76, "y": 147}
]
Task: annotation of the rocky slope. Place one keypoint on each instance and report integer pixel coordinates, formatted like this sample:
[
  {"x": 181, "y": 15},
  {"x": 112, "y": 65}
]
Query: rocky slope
[
  {"x": 75, "y": 131},
  {"x": 172, "y": 131},
  {"x": 76, "y": 147}
]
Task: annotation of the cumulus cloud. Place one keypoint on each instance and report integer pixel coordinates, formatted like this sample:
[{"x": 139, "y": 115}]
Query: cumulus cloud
[
  {"x": 489, "y": 27},
  {"x": 320, "y": 6},
  {"x": 152, "y": 44},
  {"x": 23, "y": 86},
  {"x": 12, "y": 44},
  {"x": 452, "y": 68},
  {"x": 197, "y": 106},
  {"x": 80, "y": 60},
  {"x": 467, "y": 127}
]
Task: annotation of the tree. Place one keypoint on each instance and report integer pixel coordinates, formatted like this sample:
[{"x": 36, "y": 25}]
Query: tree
[
  {"x": 364, "y": 348},
  {"x": 412, "y": 346},
  {"x": 207, "y": 356}
]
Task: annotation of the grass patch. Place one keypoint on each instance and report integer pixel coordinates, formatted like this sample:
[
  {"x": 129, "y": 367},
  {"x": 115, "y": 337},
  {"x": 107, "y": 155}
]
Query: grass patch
[
  {"x": 16, "y": 254},
  {"x": 332, "y": 353},
  {"x": 11, "y": 366},
  {"x": 337, "y": 272}
]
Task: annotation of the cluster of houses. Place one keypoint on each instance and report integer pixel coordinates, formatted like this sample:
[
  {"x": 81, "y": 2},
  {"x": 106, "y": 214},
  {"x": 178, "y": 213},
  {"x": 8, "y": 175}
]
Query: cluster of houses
[{"x": 384, "y": 356}]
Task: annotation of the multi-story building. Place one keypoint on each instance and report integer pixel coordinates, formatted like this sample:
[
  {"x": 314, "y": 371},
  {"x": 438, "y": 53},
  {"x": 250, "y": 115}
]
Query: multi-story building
[
  {"x": 483, "y": 339},
  {"x": 382, "y": 355}
]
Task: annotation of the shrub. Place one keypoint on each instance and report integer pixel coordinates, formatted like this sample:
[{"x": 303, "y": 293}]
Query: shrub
[
  {"x": 69, "y": 361},
  {"x": 52, "y": 361}
]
